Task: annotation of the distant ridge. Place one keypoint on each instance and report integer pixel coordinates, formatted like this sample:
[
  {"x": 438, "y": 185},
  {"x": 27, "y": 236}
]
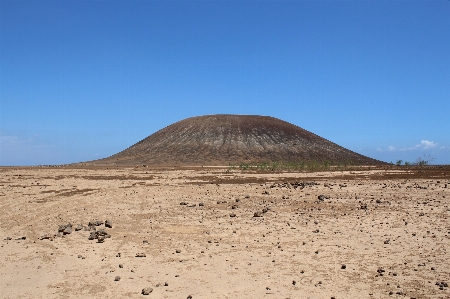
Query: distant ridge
[{"x": 222, "y": 139}]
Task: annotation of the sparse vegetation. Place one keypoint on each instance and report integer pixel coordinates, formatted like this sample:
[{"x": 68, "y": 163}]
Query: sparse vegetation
[
  {"x": 282, "y": 166},
  {"x": 421, "y": 161}
]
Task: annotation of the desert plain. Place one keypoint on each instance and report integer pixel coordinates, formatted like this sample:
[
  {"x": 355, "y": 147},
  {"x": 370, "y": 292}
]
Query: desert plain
[{"x": 216, "y": 232}]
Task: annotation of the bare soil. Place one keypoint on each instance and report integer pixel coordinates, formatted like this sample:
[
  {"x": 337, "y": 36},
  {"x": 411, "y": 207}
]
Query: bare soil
[{"x": 362, "y": 233}]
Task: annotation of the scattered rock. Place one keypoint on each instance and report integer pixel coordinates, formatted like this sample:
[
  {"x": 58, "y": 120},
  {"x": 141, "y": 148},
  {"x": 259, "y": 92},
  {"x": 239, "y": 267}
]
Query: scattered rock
[
  {"x": 117, "y": 278},
  {"x": 442, "y": 285},
  {"x": 146, "y": 291},
  {"x": 257, "y": 214},
  {"x": 79, "y": 227},
  {"x": 108, "y": 223},
  {"x": 140, "y": 254},
  {"x": 100, "y": 235},
  {"x": 95, "y": 223},
  {"x": 47, "y": 237},
  {"x": 65, "y": 229}
]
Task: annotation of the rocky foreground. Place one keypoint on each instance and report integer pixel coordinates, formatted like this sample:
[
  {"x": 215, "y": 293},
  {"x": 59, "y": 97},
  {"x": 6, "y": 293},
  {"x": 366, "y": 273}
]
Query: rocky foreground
[{"x": 216, "y": 233}]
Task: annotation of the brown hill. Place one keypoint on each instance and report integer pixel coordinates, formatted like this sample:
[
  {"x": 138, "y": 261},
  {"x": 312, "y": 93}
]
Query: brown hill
[{"x": 224, "y": 139}]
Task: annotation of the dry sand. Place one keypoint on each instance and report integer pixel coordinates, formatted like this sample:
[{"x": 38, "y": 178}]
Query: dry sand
[{"x": 378, "y": 235}]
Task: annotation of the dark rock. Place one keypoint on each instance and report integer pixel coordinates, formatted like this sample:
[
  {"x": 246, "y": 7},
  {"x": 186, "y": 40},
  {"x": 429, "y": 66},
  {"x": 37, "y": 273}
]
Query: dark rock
[
  {"x": 201, "y": 204},
  {"x": 183, "y": 203},
  {"x": 140, "y": 254},
  {"x": 257, "y": 214},
  {"x": 102, "y": 232},
  {"x": 343, "y": 267},
  {"x": 108, "y": 223},
  {"x": 47, "y": 237},
  {"x": 92, "y": 236},
  {"x": 95, "y": 223},
  {"x": 65, "y": 229},
  {"x": 146, "y": 291},
  {"x": 178, "y": 251},
  {"x": 100, "y": 235},
  {"x": 117, "y": 278}
]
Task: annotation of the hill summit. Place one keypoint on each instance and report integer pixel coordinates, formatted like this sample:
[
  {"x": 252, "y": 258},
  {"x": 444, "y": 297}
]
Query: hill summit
[{"x": 223, "y": 139}]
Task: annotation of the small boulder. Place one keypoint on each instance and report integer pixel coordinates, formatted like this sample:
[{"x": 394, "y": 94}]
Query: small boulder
[
  {"x": 146, "y": 291},
  {"x": 95, "y": 223},
  {"x": 108, "y": 223},
  {"x": 65, "y": 229}
]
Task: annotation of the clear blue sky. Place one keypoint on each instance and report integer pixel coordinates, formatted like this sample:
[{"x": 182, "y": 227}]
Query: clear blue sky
[{"x": 82, "y": 80}]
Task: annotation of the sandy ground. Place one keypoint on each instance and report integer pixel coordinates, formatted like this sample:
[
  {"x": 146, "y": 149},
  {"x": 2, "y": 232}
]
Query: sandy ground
[{"x": 194, "y": 233}]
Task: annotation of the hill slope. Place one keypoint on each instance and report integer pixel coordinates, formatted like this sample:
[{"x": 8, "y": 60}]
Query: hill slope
[{"x": 223, "y": 139}]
